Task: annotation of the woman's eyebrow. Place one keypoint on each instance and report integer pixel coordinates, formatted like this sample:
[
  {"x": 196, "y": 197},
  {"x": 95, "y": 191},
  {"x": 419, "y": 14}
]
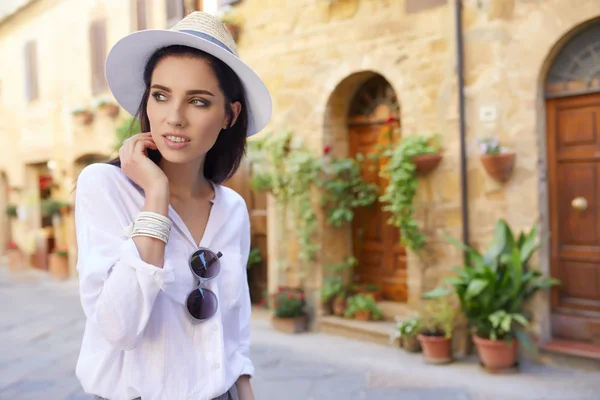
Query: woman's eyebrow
[{"x": 195, "y": 91}]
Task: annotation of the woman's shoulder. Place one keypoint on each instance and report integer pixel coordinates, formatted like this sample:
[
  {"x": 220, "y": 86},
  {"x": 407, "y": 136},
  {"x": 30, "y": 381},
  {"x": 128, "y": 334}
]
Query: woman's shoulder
[
  {"x": 101, "y": 176},
  {"x": 232, "y": 199}
]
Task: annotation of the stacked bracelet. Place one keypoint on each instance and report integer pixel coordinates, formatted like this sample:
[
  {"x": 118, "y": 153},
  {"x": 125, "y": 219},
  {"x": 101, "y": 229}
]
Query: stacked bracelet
[{"x": 153, "y": 225}]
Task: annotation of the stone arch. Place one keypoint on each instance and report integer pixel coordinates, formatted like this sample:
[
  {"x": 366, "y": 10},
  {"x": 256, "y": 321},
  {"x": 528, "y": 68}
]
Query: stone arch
[{"x": 338, "y": 114}]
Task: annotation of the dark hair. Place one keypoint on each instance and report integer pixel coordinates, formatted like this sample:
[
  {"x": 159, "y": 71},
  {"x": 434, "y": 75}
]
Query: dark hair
[{"x": 224, "y": 158}]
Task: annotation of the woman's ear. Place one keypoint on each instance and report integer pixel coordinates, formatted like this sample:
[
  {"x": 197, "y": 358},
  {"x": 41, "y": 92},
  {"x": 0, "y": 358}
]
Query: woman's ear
[{"x": 236, "y": 108}]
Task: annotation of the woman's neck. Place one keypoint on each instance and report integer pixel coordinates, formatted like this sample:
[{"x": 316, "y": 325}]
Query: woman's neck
[{"x": 186, "y": 180}]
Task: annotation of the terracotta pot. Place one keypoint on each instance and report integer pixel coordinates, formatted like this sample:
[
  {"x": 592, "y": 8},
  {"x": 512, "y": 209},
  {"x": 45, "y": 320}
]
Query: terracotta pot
[
  {"x": 290, "y": 325},
  {"x": 59, "y": 266},
  {"x": 426, "y": 163},
  {"x": 436, "y": 349},
  {"x": 16, "y": 259},
  {"x": 234, "y": 30},
  {"x": 110, "y": 110},
  {"x": 496, "y": 354},
  {"x": 499, "y": 166},
  {"x": 362, "y": 315},
  {"x": 84, "y": 118},
  {"x": 65, "y": 210},
  {"x": 411, "y": 344},
  {"x": 339, "y": 306}
]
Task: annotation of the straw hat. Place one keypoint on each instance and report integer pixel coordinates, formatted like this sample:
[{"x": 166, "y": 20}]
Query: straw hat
[{"x": 127, "y": 59}]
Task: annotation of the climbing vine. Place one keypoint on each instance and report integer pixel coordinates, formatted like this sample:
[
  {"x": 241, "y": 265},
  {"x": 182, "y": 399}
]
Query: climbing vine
[{"x": 402, "y": 188}]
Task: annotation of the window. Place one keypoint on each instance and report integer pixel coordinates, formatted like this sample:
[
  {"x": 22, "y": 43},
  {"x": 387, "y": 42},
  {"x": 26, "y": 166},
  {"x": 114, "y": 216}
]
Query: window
[
  {"x": 31, "y": 72},
  {"x": 98, "y": 55},
  {"x": 174, "y": 11},
  {"x": 141, "y": 15}
]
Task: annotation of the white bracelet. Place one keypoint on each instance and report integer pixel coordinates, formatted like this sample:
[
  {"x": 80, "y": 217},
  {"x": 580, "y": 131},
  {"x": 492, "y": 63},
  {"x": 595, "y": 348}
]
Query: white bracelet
[
  {"x": 152, "y": 234},
  {"x": 155, "y": 216}
]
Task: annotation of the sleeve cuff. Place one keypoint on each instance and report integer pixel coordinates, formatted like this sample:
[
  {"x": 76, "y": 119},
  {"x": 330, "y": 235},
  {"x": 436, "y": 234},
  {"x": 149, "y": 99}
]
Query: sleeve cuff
[
  {"x": 131, "y": 257},
  {"x": 248, "y": 368}
]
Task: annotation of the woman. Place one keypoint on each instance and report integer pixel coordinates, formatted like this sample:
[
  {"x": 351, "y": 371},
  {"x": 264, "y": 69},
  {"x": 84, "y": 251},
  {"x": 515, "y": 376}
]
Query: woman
[{"x": 162, "y": 246}]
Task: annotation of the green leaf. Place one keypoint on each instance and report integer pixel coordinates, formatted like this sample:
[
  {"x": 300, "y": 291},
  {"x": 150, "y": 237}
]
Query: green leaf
[
  {"x": 438, "y": 292},
  {"x": 520, "y": 319},
  {"x": 476, "y": 286}
]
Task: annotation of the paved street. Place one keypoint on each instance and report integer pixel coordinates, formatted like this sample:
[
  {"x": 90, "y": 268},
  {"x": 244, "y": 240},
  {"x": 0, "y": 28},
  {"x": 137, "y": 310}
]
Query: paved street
[{"x": 41, "y": 326}]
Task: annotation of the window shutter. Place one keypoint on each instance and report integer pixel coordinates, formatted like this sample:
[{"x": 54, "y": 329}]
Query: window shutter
[
  {"x": 174, "y": 12},
  {"x": 98, "y": 55},
  {"x": 31, "y": 72},
  {"x": 141, "y": 15}
]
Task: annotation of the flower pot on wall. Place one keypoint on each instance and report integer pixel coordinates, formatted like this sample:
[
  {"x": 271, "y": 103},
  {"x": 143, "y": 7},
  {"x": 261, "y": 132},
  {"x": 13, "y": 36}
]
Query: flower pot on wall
[
  {"x": 499, "y": 166},
  {"x": 496, "y": 355},
  {"x": 109, "y": 109},
  {"x": 436, "y": 349},
  {"x": 290, "y": 325},
  {"x": 426, "y": 163}
]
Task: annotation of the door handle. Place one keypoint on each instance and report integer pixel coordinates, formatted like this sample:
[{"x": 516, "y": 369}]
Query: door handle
[{"x": 579, "y": 203}]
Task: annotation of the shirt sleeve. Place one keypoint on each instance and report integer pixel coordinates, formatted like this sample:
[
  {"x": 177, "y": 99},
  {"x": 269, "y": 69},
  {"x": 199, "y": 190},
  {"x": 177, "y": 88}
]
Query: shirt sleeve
[
  {"x": 117, "y": 288},
  {"x": 246, "y": 308}
]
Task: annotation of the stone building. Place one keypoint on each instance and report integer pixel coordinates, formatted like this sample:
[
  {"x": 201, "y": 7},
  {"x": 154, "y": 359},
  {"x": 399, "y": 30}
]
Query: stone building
[{"x": 530, "y": 75}]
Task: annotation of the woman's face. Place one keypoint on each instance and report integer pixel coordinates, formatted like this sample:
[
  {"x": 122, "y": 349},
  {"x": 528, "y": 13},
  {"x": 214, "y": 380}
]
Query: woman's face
[{"x": 186, "y": 108}]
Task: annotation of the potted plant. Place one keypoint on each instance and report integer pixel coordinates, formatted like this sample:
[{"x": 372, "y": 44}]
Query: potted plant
[
  {"x": 496, "y": 160},
  {"x": 82, "y": 116},
  {"x": 437, "y": 327},
  {"x": 369, "y": 289},
  {"x": 429, "y": 158},
  {"x": 289, "y": 315},
  {"x": 107, "y": 107},
  {"x": 59, "y": 263},
  {"x": 493, "y": 289},
  {"x": 14, "y": 255},
  {"x": 406, "y": 332},
  {"x": 401, "y": 172},
  {"x": 331, "y": 289},
  {"x": 51, "y": 207},
  {"x": 362, "y": 308}
]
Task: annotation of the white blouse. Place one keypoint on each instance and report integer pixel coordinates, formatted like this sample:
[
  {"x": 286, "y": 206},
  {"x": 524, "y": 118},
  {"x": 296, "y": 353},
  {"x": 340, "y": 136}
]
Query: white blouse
[{"x": 139, "y": 339}]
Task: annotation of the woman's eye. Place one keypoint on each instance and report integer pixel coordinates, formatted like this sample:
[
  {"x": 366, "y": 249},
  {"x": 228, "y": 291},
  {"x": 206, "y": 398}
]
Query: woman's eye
[
  {"x": 199, "y": 102},
  {"x": 159, "y": 96}
]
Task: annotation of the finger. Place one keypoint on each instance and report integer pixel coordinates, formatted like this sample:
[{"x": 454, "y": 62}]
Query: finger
[{"x": 141, "y": 146}]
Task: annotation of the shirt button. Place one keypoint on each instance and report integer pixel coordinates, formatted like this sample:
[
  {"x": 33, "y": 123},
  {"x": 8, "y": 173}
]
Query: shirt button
[
  {"x": 217, "y": 366},
  {"x": 215, "y": 328}
]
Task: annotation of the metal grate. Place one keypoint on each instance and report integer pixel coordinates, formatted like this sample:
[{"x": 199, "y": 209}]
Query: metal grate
[{"x": 576, "y": 68}]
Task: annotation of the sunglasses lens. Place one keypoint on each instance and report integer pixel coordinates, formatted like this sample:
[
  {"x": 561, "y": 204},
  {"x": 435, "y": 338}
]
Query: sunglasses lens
[
  {"x": 205, "y": 263},
  {"x": 202, "y": 304}
]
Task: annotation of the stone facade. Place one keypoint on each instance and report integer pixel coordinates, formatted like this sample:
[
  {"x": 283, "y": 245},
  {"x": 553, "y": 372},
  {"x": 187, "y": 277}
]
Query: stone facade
[{"x": 315, "y": 54}]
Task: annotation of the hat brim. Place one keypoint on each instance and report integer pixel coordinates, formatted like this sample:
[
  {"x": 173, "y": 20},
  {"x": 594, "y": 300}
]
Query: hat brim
[{"x": 127, "y": 59}]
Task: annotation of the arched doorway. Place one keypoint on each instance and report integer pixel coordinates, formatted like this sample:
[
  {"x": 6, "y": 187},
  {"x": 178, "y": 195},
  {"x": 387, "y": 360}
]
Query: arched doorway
[
  {"x": 373, "y": 121},
  {"x": 572, "y": 91}
]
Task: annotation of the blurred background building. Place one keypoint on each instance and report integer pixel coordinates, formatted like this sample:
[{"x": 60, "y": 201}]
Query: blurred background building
[{"x": 343, "y": 73}]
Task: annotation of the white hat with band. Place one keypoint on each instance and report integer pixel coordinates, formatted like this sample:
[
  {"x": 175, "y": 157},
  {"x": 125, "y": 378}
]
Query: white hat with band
[{"x": 128, "y": 57}]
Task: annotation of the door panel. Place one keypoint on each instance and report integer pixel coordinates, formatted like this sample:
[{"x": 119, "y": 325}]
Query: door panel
[
  {"x": 574, "y": 183},
  {"x": 381, "y": 258}
]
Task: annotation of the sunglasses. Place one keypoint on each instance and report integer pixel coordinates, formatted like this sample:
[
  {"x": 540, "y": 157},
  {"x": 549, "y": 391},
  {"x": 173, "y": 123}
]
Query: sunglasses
[{"x": 202, "y": 303}]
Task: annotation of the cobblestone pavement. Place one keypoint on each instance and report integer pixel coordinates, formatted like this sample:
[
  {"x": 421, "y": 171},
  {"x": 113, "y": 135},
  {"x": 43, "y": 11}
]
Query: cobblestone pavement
[{"x": 41, "y": 325}]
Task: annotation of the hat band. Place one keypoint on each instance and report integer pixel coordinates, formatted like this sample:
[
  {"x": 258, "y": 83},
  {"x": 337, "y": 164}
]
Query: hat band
[{"x": 208, "y": 38}]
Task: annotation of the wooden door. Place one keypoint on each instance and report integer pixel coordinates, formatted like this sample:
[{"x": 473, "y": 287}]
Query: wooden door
[
  {"x": 381, "y": 258},
  {"x": 574, "y": 190}
]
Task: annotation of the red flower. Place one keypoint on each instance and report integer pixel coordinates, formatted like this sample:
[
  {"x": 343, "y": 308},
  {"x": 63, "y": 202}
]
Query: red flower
[
  {"x": 390, "y": 120},
  {"x": 301, "y": 296},
  {"x": 12, "y": 245},
  {"x": 326, "y": 150},
  {"x": 290, "y": 295}
]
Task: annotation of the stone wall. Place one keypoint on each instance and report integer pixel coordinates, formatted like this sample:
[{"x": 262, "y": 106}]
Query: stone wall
[{"x": 313, "y": 55}]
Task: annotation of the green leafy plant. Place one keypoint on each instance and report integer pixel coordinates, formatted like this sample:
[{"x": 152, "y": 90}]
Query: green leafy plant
[
  {"x": 289, "y": 170},
  {"x": 50, "y": 207},
  {"x": 406, "y": 327},
  {"x": 361, "y": 302},
  {"x": 62, "y": 253},
  {"x": 11, "y": 210},
  {"x": 126, "y": 129},
  {"x": 399, "y": 194},
  {"x": 254, "y": 257},
  {"x": 288, "y": 303},
  {"x": 499, "y": 282},
  {"x": 343, "y": 189},
  {"x": 438, "y": 317},
  {"x": 333, "y": 285}
]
